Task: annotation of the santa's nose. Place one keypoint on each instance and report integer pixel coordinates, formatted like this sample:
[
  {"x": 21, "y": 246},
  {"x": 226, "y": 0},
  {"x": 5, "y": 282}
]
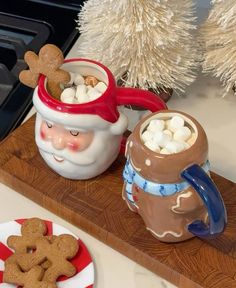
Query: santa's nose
[{"x": 58, "y": 142}]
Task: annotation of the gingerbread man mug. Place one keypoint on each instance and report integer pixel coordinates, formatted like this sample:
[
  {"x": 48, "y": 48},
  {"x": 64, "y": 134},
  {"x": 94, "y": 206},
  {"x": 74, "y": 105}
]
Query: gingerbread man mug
[
  {"x": 167, "y": 178},
  {"x": 80, "y": 141}
]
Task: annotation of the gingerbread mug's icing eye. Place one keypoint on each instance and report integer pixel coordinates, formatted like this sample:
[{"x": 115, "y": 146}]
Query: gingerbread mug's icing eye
[
  {"x": 74, "y": 133},
  {"x": 49, "y": 124}
]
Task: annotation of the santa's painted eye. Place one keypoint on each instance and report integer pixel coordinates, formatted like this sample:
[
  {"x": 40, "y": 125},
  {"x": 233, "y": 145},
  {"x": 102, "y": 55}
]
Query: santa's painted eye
[
  {"x": 49, "y": 125},
  {"x": 74, "y": 133}
]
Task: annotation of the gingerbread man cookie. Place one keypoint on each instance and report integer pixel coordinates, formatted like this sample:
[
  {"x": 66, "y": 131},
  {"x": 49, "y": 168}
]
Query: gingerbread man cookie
[
  {"x": 62, "y": 249},
  {"x": 30, "y": 279},
  {"x": 31, "y": 230},
  {"x": 48, "y": 63}
]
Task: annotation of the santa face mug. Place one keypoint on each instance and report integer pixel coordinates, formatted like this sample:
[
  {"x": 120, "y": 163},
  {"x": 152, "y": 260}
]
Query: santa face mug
[
  {"x": 167, "y": 179},
  {"x": 80, "y": 141}
]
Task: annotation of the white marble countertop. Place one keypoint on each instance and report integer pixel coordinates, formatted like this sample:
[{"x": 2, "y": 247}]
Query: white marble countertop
[{"x": 216, "y": 114}]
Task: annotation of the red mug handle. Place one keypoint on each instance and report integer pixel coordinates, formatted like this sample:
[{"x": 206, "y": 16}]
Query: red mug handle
[{"x": 140, "y": 98}]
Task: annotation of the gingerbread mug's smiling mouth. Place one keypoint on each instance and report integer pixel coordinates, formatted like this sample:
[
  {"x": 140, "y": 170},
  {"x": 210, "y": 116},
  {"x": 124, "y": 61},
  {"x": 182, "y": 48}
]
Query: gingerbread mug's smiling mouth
[{"x": 57, "y": 158}]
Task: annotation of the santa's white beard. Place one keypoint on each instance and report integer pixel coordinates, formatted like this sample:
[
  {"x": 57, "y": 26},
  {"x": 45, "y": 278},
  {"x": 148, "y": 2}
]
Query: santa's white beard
[{"x": 85, "y": 164}]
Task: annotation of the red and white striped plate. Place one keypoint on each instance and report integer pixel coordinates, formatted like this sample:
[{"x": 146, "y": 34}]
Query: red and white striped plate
[{"x": 82, "y": 261}]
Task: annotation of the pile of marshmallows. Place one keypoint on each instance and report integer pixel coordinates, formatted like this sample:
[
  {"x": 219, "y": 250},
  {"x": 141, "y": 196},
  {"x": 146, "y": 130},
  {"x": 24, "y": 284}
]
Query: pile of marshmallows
[
  {"x": 82, "y": 89},
  {"x": 168, "y": 136}
]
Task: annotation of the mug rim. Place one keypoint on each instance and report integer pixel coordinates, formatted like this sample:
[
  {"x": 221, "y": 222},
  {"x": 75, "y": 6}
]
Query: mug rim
[
  {"x": 158, "y": 154},
  {"x": 167, "y": 172},
  {"x": 104, "y": 106}
]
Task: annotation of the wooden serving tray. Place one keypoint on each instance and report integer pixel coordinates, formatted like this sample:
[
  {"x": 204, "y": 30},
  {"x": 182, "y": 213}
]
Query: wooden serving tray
[{"x": 97, "y": 207}]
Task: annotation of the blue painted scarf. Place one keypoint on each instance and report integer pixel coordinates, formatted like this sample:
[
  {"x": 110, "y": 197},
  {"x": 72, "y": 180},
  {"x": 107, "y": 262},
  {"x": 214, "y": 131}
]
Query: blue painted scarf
[{"x": 131, "y": 176}]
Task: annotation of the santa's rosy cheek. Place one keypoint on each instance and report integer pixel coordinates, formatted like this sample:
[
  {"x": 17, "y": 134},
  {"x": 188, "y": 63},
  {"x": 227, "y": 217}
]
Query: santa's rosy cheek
[
  {"x": 42, "y": 134},
  {"x": 45, "y": 134},
  {"x": 73, "y": 146}
]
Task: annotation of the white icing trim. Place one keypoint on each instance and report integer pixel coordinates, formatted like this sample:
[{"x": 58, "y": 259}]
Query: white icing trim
[
  {"x": 126, "y": 148},
  {"x": 136, "y": 205},
  {"x": 175, "y": 234},
  {"x": 185, "y": 195},
  {"x": 129, "y": 206},
  {"x": 136, "y": 168}
]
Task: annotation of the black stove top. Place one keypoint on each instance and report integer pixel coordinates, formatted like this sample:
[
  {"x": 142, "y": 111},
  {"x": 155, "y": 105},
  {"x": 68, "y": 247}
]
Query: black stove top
[{"x": 28, "y": 25}]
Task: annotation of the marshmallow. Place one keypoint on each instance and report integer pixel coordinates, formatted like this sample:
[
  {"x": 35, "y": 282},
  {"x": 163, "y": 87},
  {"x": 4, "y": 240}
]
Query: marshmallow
[
  {"x": 156, "y": 125},
  {"x": 81, "y": 94},
  {"x": 164, "y": 151},
  {"x": 83, "y": 98},
  {"x": 167, "y": 124},
  {"x": 175, "y": 147},
  {"x": 67, "y": 95},
  {"x": 192, "y": 139},
  {"x": 101, "y": 87},
  {"x": 168, "y": 132},
  {"x": 80, "y": 89},
  {"x": 182, "y": 134},
  {"x": 168, "y": 136},
  {"x": 161, "y": 138},
  {"x": 175, "y": 123},
  {"x": 89, "y": 87},
  {"x": 147, "y": 136},
  {"x": 93, "y": 94},
  {"x": 78, "y": 79},
  {"x": 152, "y": 146}
]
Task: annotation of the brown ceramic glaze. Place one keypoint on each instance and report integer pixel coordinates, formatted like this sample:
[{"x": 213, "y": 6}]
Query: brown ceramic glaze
[
  {"x": 166, "y": 168},
  {"x": 167, "y": 217}
]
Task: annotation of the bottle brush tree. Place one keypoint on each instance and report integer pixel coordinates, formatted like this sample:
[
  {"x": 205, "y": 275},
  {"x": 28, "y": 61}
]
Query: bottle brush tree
[
  {"x": 218, "y": 35},
  {"x": 147, "y": 44}
]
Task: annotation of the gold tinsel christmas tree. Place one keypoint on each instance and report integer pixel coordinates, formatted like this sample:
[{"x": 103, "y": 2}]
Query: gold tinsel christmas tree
[
  {"x": 218, "y": 35},
  {"x": 148, "y": 44}
]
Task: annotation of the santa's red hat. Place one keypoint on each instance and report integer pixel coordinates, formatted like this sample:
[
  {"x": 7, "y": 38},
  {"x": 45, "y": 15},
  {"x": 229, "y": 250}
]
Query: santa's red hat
[{"x": 100, "y": 113}]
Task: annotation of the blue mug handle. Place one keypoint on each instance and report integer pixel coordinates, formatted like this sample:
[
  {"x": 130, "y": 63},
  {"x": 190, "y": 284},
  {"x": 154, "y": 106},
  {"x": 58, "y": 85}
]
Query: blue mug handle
[{"x": 212, "y": 199}]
